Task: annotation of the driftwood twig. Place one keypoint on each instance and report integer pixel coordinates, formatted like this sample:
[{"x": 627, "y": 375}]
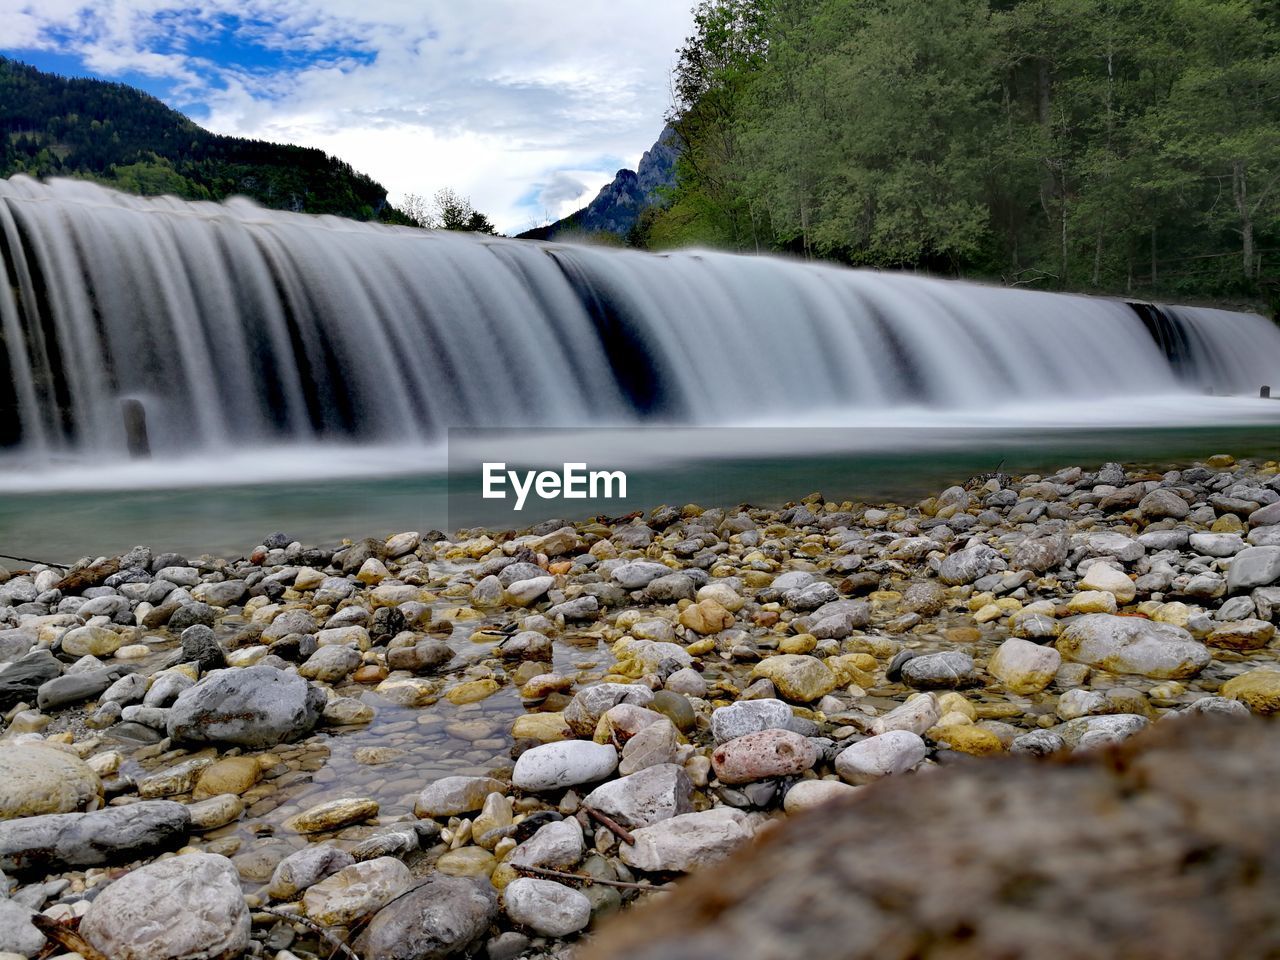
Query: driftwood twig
[
  {"x": 546, "y": 874},
  {"x": 316, "y": 928},
  {"x": 617, "y": 829}
]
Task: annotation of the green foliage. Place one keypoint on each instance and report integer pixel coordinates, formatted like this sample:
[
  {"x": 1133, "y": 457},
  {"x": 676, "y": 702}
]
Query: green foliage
[
  {"x": 1118, "y": 145},
  {"x": 447, "y": 210},
  {"x": 52, "y": 126}
]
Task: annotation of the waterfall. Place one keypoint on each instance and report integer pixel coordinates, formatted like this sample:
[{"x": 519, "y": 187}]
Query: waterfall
[{"x": 233, "y": 325}]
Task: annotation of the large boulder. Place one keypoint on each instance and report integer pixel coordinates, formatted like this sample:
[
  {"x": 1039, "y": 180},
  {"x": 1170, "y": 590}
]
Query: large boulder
[
  {"x": 87, "y": 839},
  {"x": 39, "y": 780},
  {"x": 1132, "y": 645},
  {"x": 253, "y": 707},
  {"x": 184, "y": 908}
]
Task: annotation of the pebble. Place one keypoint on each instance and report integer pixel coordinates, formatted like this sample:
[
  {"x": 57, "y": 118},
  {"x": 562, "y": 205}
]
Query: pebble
[{"x": 566, "y": 763}]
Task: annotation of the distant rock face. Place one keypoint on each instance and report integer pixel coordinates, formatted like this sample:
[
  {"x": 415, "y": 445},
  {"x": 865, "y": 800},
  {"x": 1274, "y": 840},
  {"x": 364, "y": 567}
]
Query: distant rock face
[
  {"x": 618, "y": 205},
  {"x": 1016, "y": 858}
]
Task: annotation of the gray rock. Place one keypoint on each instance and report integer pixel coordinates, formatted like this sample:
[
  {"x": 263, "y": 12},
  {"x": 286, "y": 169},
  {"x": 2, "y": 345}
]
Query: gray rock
[
  {"x": 1254, "y": 567},
  {"x": 191, "y": 614},
  {"x": 305, "y": 868},
  {"x": 967, "y": 565},
  {"x": 556, "y": 845},
  {"x": 950, "y": 669},
  {"x": 440, "y": 918},
  {"x": 17, "y": 933},
  {"x": 578, "y": 609},
  {"x": 688, "y": 841},
  {"x": 889, "y": 754},
  {"x": 1038, "y": 743},
  {"x": 330, "y": 664},
  {"x": 566, "y": 763},
  {"x": 15, "y": 643},
  {"x": 291, "y": 621},
  {"x": 587, "y": 706},
  {"x": 21, "y": 679},
  {"x": 86, "y": 839},
  {"x": 645, "y": 798},
  {"x": 1132, "y": 645},
  {"x": 200, "y": 645},
  {"x": 749, "y": 716},
  {"x": 638, "y": 574},
  {"x": 185, "y": 908},
  {"x": 1161, "y": 503},
  {"x": 1087, "y": 733},
  {"x": 454, "y": 796},
  {"x": 253, "y": 707},
  {"x": 546, "y": 907},
  {"x": 74, "y": 688}
]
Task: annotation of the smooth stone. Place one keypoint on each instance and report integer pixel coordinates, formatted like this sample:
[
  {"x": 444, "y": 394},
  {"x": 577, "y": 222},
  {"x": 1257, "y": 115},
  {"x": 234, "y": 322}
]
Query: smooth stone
[
  {"x": 330, "y": 664},
  {"x": 646, "y": 797},
  {"x": 917, "y": 715},
  {"x": 180, "y": 778},
  {"x": 689, "y": 841},
  {"x": 39, "y": 780},
  {"x": 796, "y": 676},
  {"x": 229, "y": 775},
  {"x": 807, "y": 794},
  {"x": 566, "y": 763},
  {"x": 333, "y": 814},
  {"x": 887, "y": 754},
  {"x": 1259, "y": 690},
  {"x": 356, "y": 891},
  {"x": 1132, "y": 645},
  {"x": 305, "y": 868},
  {"x": 442, "y": 917},
  {"x": 255, "y": 707},
  {"x": 18, "y": 935},
  {"x": 749, "y": 716},
  {"x": 1088, "y": 732},
  {"x": 588, "y": 706},
  {"x": 79, "y": 840},
  {"x": 1024, "y": 667},
  {"x": 556, "y": 845},
  {"x": 467, "y": 862},
  {"x": 454, "y": 796},
  {"x": 91, "y": 642},
  {"x": 546, "y": 907},
  {"x": 216, "y": 811},
  {"x": 1242, "y": 635},
  {"x": 1254, "y": 567},
  {"x": 656, "y": 743},
  {"x": 1106, "y": 578},
  {"x": 949, "y": 669},
  {"x": 184, "y": 908},
  {"x": 768, "y": 753}
]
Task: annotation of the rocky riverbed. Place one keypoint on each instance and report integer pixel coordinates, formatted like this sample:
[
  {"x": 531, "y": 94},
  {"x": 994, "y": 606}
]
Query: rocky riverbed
[{"x": 422, "y": 747}]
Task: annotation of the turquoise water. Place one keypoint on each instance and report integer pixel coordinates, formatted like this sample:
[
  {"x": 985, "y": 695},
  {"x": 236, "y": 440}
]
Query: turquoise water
[{"x": 229, "y": 518}]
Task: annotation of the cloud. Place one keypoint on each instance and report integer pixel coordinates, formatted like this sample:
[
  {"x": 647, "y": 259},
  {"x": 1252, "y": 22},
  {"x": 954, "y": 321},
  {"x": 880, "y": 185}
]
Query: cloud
[{"x": 492, "y": 98}]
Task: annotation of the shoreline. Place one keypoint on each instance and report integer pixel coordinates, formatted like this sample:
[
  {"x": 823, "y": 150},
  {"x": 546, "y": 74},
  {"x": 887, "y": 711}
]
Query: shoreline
[{"x": 472, "y": 720}]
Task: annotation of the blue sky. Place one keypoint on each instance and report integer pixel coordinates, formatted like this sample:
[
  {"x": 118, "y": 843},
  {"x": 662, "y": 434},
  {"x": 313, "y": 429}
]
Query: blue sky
[{"x": 528, "y": 106}]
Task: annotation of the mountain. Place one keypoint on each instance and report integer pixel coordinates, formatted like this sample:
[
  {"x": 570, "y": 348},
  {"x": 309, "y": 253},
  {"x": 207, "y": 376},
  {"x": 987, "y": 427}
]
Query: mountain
[
  {"x": 618, "y": 205},
  {"x": 53, "y": 126}
]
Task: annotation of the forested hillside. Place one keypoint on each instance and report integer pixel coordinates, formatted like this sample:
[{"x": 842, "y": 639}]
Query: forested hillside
[
  {"x": 53, "y": 126},
  {"x": 1117, "y": 145}
]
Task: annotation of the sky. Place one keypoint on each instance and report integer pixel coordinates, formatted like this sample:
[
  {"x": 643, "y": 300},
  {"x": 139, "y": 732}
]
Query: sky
[{"x": 526, "y": 106}]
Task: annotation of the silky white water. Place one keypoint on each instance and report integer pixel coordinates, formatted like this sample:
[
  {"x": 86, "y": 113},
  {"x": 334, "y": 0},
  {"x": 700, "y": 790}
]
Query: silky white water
[{"x": 241, "y": 329}]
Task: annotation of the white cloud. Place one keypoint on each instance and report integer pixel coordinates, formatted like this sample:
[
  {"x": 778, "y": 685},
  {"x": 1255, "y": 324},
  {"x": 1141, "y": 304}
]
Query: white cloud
[{"x": 505, "y": 100}]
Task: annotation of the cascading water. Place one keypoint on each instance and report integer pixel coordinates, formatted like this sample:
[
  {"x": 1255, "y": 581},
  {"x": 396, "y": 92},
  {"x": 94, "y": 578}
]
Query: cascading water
[{"x": 235, "y": 325}]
